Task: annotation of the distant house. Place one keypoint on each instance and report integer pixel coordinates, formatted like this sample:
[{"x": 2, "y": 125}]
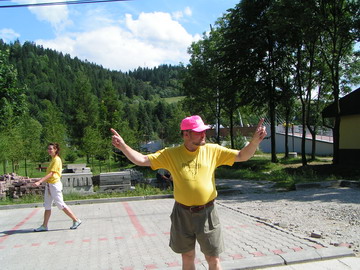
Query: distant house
[
  {"x": 152, "y": 146},
  {"x": 349, "y": 144}
]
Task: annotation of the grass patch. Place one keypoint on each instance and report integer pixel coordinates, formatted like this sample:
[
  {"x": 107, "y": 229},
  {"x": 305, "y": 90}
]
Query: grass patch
[
  {"x": 171, "y": 100},
  {"x": 26, "y": 199},
  {"x": 140, "y": 190}
]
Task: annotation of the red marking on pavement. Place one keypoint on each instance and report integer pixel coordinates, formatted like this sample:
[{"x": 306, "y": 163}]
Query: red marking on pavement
[
  {"x": 17, "y": 226},
  {"x": 35, "y": 244},
  {"x": 345, "y": 245},
  {"x": 118, "y": 237},
  {"x": 52, "y": 243},
  {"x": 69, "y": 242},
  {"x": 244, "y": 226},
  {"x": 237, "y": 256},
  {"x": 278, "y": 251},
  {"x": 150, "y": 266},
  {"x": 259, "y": 224},
  {"x": 318, "y": 246},
  {"x": 18, "y": 246},
  {"x": 128, "y": 268},
  {"x": 297, "y": 249},
  {"x": 167, "y": 233},
  {"x": 134, "y": 220},
  {"x": 230, "y": 227},
  {"x": 258, "y": 254},
  {"x": 86, "y": 240},
  {"x": 103, "y": 239},
  {"x": 173, "y": 264}
]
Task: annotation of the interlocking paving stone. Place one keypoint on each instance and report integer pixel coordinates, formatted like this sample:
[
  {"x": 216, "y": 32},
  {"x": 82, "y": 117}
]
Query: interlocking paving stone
[{"x": 132, "y": 235}]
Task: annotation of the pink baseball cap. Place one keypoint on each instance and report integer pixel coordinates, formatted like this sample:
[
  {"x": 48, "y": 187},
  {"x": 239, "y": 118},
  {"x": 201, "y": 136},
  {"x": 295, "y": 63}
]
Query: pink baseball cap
[{"x": 194, "y": 123}]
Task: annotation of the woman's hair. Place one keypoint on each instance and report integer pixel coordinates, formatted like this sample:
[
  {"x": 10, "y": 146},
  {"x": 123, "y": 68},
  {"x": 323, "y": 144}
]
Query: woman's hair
[{"x": 56, "y": 146}]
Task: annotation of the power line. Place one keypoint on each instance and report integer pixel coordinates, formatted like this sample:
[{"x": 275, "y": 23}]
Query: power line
[{"x": 75, "y": 2}]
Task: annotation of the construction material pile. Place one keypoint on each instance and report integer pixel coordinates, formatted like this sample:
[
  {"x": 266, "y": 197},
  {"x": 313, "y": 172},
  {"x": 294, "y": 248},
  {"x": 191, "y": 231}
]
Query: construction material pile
[
  {"x": 118, "y": 181},
  {"x": 15, "y": 186}
]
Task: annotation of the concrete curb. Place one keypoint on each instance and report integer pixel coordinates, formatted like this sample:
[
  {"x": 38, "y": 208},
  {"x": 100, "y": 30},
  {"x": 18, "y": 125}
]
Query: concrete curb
[
  {"x": 254, "y": 263},
  {"x": 335, "y": 252}
]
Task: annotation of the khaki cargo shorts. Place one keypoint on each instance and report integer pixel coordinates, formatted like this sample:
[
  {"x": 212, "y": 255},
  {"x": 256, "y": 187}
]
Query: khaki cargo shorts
[{"x": 203, "y": 226}]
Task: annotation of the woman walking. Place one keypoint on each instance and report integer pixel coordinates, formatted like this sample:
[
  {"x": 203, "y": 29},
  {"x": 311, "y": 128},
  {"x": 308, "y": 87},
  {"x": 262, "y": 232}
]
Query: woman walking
[{"x": 53, "y": 189}]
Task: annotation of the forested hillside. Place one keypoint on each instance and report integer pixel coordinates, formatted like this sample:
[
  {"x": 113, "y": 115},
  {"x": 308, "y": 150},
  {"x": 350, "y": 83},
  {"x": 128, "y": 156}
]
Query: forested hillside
[
  {"x": 263, "y": 59},
  {"x": 49, "y": 96}
]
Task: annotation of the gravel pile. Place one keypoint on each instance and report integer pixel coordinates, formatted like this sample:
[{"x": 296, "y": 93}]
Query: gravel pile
[{"x": 328, "y": 215}]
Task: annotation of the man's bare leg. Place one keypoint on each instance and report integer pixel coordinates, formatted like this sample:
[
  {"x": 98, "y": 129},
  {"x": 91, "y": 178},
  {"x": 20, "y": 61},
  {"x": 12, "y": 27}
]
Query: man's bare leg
[
  {"x": 188, "y": 260},
  {"x": 214, "y": 262}
]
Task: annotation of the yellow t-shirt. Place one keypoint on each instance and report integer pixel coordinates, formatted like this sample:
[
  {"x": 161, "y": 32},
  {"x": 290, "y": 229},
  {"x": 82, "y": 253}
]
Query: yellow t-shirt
[
  {"x": 193, "y": 172},
  {"x": 56, "y": 167}
]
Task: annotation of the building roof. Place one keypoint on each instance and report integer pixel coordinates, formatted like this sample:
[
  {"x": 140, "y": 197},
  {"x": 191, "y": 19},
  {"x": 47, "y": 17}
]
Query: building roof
[{"x": 349, "y": 105}]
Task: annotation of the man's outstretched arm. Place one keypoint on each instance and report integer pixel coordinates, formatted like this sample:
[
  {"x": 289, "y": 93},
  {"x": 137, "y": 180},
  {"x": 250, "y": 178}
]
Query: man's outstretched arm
[
  {"x": 133, "y": 155},
  {"x": 249, "y": 150}
]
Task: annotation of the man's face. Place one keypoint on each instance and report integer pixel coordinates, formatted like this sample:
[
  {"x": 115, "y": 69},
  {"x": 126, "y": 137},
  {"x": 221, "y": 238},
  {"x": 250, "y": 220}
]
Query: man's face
[{"x": 197, "y": 138}]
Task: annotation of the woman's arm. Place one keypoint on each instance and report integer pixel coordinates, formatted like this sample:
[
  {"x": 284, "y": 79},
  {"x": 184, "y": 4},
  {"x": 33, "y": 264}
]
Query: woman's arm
[{"x": 45, "y": 178}]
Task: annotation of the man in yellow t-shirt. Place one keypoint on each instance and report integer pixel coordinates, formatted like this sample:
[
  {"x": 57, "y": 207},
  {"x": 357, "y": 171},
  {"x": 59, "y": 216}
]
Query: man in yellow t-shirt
[{"x": 192, "y": 165}]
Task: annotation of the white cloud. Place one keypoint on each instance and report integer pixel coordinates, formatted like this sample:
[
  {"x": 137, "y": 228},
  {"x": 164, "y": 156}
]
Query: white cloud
[
  {"x": 177, "y": 15},
  {"x": 188, "y": 11},
  {"x": 158, "y": 27},
  {"x": 151, "y": 40},
  {"x": 8, "y": 35},
  {"x": 57, "y": 15}
]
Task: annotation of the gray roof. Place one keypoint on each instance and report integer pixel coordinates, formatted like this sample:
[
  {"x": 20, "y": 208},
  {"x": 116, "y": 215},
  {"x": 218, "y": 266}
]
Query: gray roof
[{"x": 349, "y": 105}]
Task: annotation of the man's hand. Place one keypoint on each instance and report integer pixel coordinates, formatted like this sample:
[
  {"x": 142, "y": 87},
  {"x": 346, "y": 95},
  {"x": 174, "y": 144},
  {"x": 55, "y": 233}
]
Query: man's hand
[
  {"x": 260, "y": 133},
  {"x": 249, "y": 150},
  {"x": 133, "y": 155},
  {"x": 116, "y": 139}
]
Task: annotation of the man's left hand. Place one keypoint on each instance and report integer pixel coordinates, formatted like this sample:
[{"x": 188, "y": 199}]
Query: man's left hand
[{"x": 260, "y": 133}]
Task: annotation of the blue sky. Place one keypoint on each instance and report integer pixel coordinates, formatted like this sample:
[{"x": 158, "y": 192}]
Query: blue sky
[{"x": 119, "y": 35}]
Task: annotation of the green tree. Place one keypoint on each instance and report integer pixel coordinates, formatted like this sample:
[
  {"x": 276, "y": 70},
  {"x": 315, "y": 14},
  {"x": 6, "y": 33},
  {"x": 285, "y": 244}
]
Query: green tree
[
  {"x": 253, "y": 57},
  {"x": 201, "y": 81},
  {"x": 54, "y": 129},
  {"x": 84, "y": 109},
  {"x": 12, "y": 98},
  {"x": 5, "y": 144},
  {"x": 340, "y": 29},
  {"x": 17, "y": 147},
  {"x": 30, "y": 134},
  {"x": 93, "y": 143},
  {"x": 145, "y": 130},
  {"x": 12, "y": 107},
  {"x": 110, "y": 109}
]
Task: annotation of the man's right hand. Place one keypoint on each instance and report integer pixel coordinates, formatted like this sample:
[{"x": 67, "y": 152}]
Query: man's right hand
[
  {"x": 133, "y": 155},
  {"x": 116, "y": 139}
]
